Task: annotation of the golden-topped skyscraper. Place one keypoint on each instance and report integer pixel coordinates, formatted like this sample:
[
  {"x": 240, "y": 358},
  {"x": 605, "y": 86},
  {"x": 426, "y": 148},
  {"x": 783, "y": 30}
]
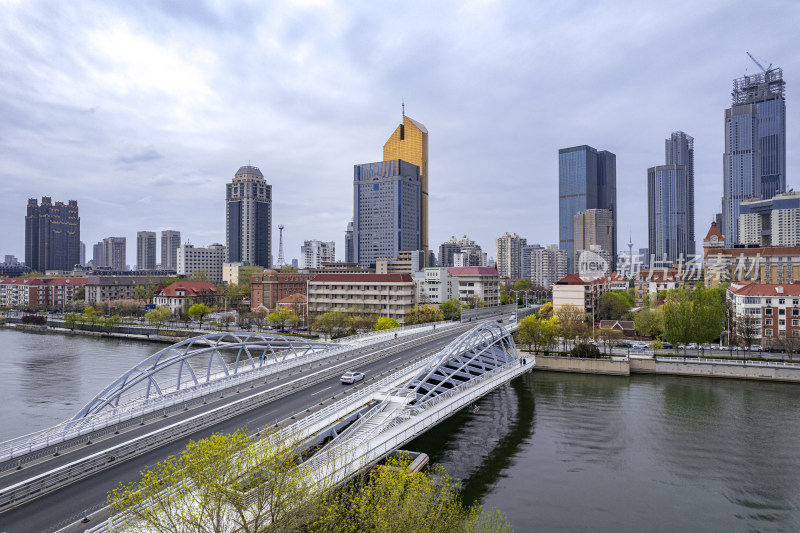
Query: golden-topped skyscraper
[{"x": 409, "y": 142}]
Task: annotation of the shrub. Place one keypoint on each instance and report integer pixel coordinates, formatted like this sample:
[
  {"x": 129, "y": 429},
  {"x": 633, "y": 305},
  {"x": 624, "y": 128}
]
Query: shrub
[{"x": 586, "y": 351}]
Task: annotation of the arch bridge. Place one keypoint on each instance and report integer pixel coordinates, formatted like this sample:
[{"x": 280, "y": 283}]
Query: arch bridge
[{"x": 199, "y": 360}]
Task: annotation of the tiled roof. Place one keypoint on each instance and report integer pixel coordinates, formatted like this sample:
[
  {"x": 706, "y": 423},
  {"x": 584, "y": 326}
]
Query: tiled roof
[
  {"x": 765, "y": 289},
  {"x": 364, "y": 278},
  {"x": 767, "y": 251},
  {"x": 472, "y": 271},
  {"x": 296, "y": 298},
  {"x": 714, "y": 230},
  {"x": 623, "y": 324},
  {"x": 190, "y": 288}
]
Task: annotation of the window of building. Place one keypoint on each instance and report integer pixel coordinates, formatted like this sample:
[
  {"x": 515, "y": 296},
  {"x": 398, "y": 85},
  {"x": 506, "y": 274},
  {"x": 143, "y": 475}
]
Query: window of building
[
  {"x": 767, "y": 321},
  {"x": 768, "y": 333}
]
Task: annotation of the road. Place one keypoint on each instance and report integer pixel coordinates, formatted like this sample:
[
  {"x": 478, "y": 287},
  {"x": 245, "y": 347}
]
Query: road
[{"x": 67, "y": 503}]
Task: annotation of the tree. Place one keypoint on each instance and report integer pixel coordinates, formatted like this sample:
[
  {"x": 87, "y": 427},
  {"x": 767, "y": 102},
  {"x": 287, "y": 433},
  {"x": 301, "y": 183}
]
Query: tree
[
  {"x": 206, "y": 488},
  {"x": 422, "y": 314},
  {"x": 608, "y": 336},
  {"x": 649, "y": 322},
  {"x": 245, "y": 272},
  {"x": 789, "y": 342},
  {"x": 392, "y": 499},
  {"x": 259, "y": 315},
  {"x": 158, "y": 317},
  {"x": 198, "y": 312},
  {"x": 111, "y": 322},
  {"x": 451, "y": 309},
  {"x": 748, "y": 329},
  {"x": 522, "y": 285},
  {"x": 538, "y": 332},
  {"x": 70, "y": 319},
  {"x": 143, "y": 292},
  {"x": 361, "y": 322},
  {"x": 282, "y": 316},
  {"x": 586, "y": 351},
  {"x": 708, "y": 313},
  {"x": 89, "y": 316},
  {"x": 678, "y": 328},
  {"x": 331, "y": 323},
  {"x": 474, "y": 302},
  {"x": 80, "y": 294},
  {"x": 236, "y": 293},
  {"x": 386, "y": 323},
  {"x": 614, "y": 305},
  {"x": 546, "y": 311},
  {"x": 288, "y": 269},
  {"x": 573, "y": 322}
]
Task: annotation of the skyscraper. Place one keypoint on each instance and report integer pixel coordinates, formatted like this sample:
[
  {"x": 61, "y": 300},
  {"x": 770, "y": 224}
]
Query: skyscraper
[
  {"x": 146, "y": 250},
  {"x": 386, "y": 210},
  {"x": 587, "y": 179},
  {"x": 593, "y": 227},
  {"x": 447, "y": 251},
  {"x": 248, "y": 218},
  {"x": 348, "y": 243},
  {"x": 670, "y": 201},
  {"x": 509, "y": 255},
  {"x": 170, "y": 241},
  {"x": 548, "y": 265},
  {"x": 754, "y": 162},
  {"x": 82, "y": 254},
  {"x": 409, "y": 142},
  {"x": 114, "y": 251},
  {"x": 52, "y": 235},
  {"x": 314, "y": 253}
]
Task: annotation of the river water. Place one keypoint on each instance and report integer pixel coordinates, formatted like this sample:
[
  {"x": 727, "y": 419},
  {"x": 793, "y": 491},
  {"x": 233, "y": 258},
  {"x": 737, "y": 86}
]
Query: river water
[{"x": 553, "y": 451}]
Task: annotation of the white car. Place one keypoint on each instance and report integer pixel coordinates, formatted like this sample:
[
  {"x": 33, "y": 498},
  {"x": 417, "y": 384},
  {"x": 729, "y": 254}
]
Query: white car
[{"x": 349, "y": 378}]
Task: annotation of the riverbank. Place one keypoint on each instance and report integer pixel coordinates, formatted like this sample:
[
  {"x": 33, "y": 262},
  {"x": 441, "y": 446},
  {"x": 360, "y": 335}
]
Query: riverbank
[{"x": 675, "y": 366}]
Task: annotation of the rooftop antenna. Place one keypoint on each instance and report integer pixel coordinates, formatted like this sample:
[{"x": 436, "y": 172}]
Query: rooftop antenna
[
  {"x": 280, "y": 247},
  {"x": 404, "y": 107}
]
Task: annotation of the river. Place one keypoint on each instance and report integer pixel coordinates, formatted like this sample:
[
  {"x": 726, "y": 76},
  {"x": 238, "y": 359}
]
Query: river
[{"x": 554, "y": 452}]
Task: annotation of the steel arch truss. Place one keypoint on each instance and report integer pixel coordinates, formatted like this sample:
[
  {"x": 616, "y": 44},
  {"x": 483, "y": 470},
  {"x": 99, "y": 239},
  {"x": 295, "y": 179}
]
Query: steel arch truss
[
  {"x": 169, "y": 370},
  {"x": 476, "y": 352}
]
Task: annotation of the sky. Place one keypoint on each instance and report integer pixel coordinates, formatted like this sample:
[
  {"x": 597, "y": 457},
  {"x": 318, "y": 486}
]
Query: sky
[{"x": 143, "y": 111}]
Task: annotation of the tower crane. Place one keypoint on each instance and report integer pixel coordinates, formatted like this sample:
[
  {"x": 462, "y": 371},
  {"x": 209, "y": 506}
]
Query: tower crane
[{"x": 759, "y": 64}]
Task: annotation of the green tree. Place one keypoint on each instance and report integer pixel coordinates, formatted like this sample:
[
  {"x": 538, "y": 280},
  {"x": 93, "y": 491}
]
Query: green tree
[
  {"x": 475, "y": 302},
  {"x": 331, "y": 323},
  {"x": 386, "y": 323},
  {"x": 422, "y": 314},
  {"x": 158, "y": 317},
  {"x": 361, "y": 322},
  {"x": 649, "y": 322},
  {"x": 523, "y": 284},
  {"x": 245, "y": 272},
  {"x": 678, "y": 317},
  {"x": 572, "y": 320},
  {"x": 288, "y": 269},
  {"x": 70, "y": 319},
  {"x": 198, "y": 312},
  {"x": 111, "y": 322},
  {"x": 538, "y": 332},
  {"x": 201, "y": 274},
  {"x": 282, "y": 316},
  {"x": 546, "y": 311},
  {"x": 614, "y": 305},
  {"x": 451, "y": 309},
  {"x": 144, "y": 292},
  {"x": 608, "y": 336},
  {"x": 708, "y": 314},
  {"x": 89, "y": 316}
]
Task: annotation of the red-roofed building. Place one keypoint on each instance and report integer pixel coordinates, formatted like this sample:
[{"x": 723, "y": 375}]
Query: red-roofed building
[
  {"x": 296, "y": 302},
  {"x": 771, "y": 310},
  {"x": 178, "y": 294},
  {"x": 39, "y": 293},
  {"x": 389, "y": 295},
  {"x": 480, "y": 281},
  {"x": 585, "y": 291},
  {"x": 270, "y": 286}
]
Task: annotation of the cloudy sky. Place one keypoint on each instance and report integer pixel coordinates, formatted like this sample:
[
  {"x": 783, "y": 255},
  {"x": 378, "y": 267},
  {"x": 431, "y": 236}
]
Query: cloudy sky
[{"x": 142, "y": 111}]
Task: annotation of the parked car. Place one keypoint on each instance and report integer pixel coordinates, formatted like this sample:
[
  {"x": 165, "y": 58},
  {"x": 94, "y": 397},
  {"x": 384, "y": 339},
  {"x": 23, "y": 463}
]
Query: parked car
[
  {"x": 666, "y": 345},
  {"x": 756, "y": 348},
  {"x": 348, "y": 378}
]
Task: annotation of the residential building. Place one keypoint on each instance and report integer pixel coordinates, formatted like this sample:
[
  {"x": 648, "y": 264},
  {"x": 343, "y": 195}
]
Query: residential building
[
  {"x": 772, "y": 222},
  {"x": 270, "y": 287},
  {"x": 111, "y": 253},
  {"x": 170, "y": 241},
  {"x": 772, "y": 309},
  {"x": 548, "y": 265},
  {"x": 82, "y": 254},
  {"x": 461, "y": 253},
  {"x": 386, "y": 210},
  {"x": 480, "y": 281},
  {"x": 652, "y": 281},
  {"x": 409, "y": 142},
  {"x": 180, "y": 295},
  {"x": 627, "y": 327},
  {"x": 509, "y": 255},
  {"x": 447, "y": 250},
  {"x": 406, "y": 262},
  {"x": 349, "y": 249},
  {"x": 108, "y": 288},
  {"x": 314, "y": 253},
  {"x": 527, "y": 252},
  {"x": 341, "y": 268},
  {"x": 146, "y": 245},
  {"x": 39, "y": 293},
  {"x": 584, "y": 292},
  {"x": 191, "y": 259},
  {"x": 389, "y": 295},
  {"x": 436, "y": 286},
  {"x": 248, "y": 218},
  {"x": 587, "y": 179},
  {"x": 754, "y": 162},
  {"x": 230, "y": 272},
  {"x": 593, "y": 227},
  {"x": 52, "y": 235},
  {"x": 593, "y": 261}
]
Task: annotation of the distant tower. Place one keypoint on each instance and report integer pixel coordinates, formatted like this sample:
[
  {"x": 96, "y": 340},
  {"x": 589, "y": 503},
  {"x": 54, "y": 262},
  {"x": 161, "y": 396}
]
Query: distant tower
[
  {"x": 630, "y": 252},
  {"x": 281, "y": 262},
  {"x": 248, "y": 218}
]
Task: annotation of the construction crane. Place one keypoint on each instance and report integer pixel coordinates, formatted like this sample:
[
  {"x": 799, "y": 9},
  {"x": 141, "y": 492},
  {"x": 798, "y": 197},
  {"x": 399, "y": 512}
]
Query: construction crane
[{"x": 759, "y": 64}]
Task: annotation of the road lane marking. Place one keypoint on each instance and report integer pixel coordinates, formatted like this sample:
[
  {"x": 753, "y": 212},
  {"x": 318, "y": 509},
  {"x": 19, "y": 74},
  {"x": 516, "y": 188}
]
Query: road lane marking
[{"x": 321, "y": 391}]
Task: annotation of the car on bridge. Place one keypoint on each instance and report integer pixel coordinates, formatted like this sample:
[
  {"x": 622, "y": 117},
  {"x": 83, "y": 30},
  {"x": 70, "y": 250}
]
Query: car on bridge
[{"x": 348, "y": 378}]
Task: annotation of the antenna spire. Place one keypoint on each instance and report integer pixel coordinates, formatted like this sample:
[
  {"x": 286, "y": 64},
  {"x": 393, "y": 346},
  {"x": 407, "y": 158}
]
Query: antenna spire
[{"x": 403, "y": 104}]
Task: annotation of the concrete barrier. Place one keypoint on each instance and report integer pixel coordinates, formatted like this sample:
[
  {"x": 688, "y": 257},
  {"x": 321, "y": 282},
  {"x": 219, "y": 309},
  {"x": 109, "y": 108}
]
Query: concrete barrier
[
  {"x": 731, "y": 370},
  {"x": 615, "y": 366}
]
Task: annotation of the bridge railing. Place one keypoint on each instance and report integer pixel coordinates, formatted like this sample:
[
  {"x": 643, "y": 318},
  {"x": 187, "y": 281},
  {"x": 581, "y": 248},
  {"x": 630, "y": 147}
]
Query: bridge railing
[
  {"x": 708, "y": 360},
  {"x": 73, "y": 429}
]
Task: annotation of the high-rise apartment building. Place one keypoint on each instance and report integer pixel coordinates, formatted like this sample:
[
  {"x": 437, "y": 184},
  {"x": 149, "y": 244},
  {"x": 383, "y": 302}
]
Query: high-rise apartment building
[
  {"x": 548, "y": 265},
  {"x": 211, "y": 259},
  {"x": 112, "y": 253},
  {"x": 409, "y": 142},
  {"x": 83, "y": 254},
  {"x": 314, "y": 253},
  {"x": 170, "y": 241},
  {"x": 773, "y": 222},
  {"x": 587, "y": 179},
  {"x": 527, "y": 250},
  {"x": 754, "y": 162},
  {"x": 509, "y": 255},
  {"x": 670, "y": 201},
  {"x": 52, "y": 235},
  {"x": 248, "y": 218},
  {"x": 447, "y": 250},
  {"x": 386, "y": 210},
  {"x": 461, "y": 253},
  {"x": 146, "y": 246},
  {"x": 349, "y": 249}
]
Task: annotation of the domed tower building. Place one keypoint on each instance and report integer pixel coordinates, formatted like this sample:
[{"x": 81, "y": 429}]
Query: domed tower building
[{"x": 248, "y": 218}]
